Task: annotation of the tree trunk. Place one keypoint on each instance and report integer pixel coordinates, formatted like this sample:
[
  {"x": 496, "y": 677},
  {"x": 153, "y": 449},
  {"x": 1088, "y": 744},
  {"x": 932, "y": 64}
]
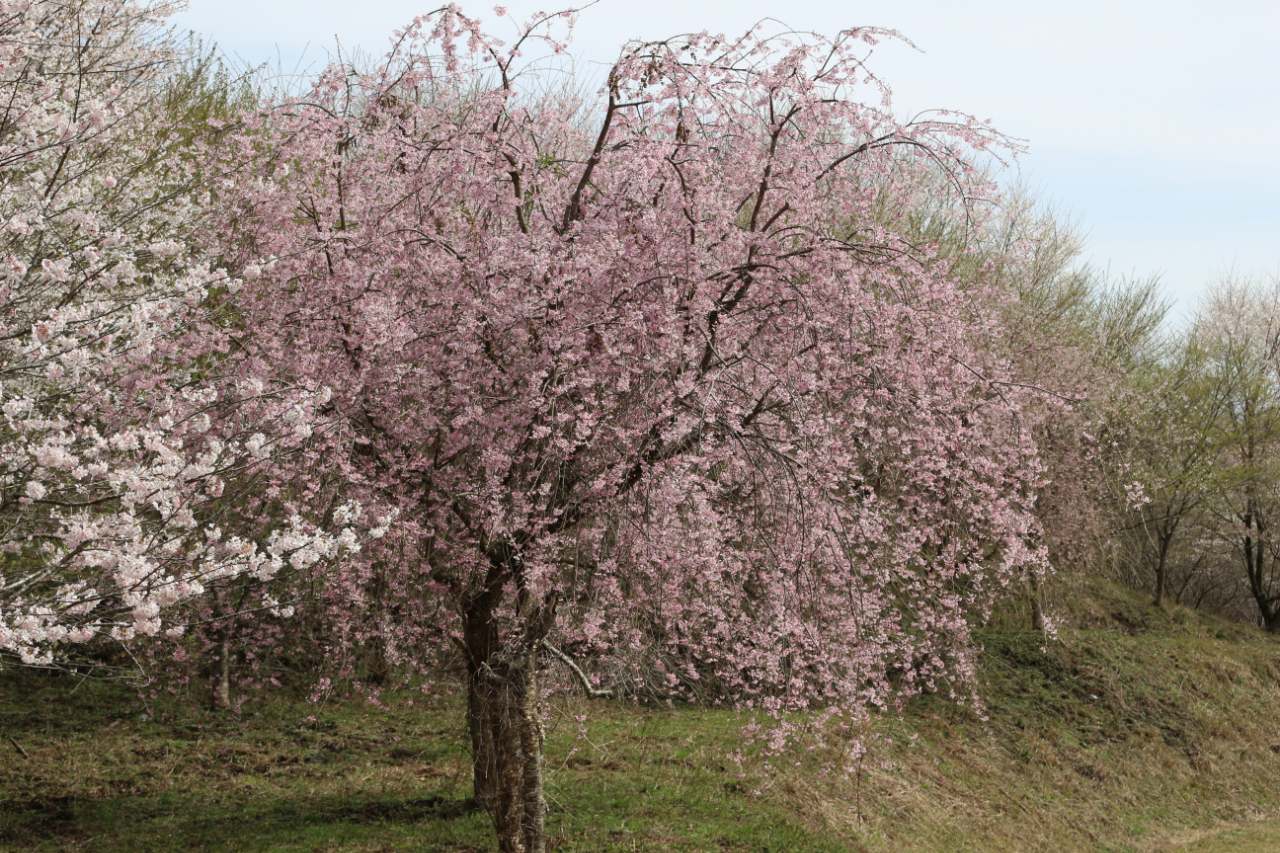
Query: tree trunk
[
  {"x": 1256, "y": 551},
  {"x": 1164, "y": 544},
  {"x": 506, "y": 737},
  {"x": 1272, "y": 623},
  {"x": 504, "y": 717},
  {"x": 222, "y": 677},
  {"x": 532, "y": 738},
  {"x": 1037, "y": 608},
  {"x": 1161, "y": 562}
]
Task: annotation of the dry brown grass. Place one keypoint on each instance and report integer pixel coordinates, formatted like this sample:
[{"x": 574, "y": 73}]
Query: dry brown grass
[{"x": 1150, "y": 737}]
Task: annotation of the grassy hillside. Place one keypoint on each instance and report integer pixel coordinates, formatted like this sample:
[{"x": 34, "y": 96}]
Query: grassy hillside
[{"x": 1137, "y": 731}]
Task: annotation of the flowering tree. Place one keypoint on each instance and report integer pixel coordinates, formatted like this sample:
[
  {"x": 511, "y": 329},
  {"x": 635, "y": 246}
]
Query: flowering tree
[
  {"x": 117, "y": 437},
  {"x": 658, "y": 394},
  {"x": 1239, "y": 331},
  {"x": 1090, "y": 351}
]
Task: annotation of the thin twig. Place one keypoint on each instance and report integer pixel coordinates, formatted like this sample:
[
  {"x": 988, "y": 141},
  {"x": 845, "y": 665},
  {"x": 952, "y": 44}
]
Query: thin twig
[{"x": 20, "y": 749}]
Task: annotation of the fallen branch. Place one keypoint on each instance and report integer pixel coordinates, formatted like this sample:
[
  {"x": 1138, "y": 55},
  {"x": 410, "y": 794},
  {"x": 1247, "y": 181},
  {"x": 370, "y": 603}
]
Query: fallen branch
[
  {"x": 20, "y": 749},
  {"x": 593, "y": 692}
]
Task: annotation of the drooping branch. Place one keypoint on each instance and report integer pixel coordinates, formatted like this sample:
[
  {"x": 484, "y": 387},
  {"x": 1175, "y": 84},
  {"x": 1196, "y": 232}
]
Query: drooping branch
[{"x": 592, "y": 691}]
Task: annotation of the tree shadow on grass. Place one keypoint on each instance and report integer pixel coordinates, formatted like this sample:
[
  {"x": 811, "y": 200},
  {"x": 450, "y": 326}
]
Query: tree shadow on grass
[{"x": 228, "y": 824}]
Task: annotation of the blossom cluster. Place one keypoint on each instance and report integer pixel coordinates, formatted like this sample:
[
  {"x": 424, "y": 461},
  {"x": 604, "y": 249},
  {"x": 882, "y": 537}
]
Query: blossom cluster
[
  {"x": 675, "y": 371},
  {"x": 118, "y": 435}
]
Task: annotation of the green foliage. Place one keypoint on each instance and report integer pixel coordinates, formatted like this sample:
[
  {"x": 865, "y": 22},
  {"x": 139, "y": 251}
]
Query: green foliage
[
  {"x": 203, "y": 92},
  {"x": 1204, "y": 440}
]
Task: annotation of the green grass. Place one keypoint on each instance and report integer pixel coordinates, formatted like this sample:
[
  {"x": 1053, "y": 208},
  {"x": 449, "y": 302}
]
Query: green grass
[
  {"x": 1140, "y": 730},
  {"x": 104, "y": 775}
]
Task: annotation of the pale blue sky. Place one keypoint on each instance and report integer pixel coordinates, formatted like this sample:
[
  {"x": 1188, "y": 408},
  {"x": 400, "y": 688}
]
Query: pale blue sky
[{"x": 1156, "y": 124}]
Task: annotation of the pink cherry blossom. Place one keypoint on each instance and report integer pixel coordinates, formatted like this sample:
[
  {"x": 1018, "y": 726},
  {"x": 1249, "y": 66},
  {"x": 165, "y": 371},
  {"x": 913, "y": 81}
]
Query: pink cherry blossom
[{"x": 652, "y": 381}]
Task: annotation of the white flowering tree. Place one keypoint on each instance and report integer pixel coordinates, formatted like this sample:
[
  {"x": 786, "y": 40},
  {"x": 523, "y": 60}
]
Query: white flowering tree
[{"x": 117, "y": 436}]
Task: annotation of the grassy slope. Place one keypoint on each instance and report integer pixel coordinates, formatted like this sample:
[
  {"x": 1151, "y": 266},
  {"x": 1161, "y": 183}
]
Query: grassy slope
[{"x": 1139, "y": 731}]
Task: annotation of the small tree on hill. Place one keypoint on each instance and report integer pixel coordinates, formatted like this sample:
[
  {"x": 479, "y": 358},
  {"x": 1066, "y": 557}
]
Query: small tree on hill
[
  {"x": 1239, "y": 327},
  {"x": 1181, "y": 403}
]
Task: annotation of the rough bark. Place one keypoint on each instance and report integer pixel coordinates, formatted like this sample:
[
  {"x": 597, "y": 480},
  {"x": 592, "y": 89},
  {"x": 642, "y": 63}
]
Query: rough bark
[
  {"x": 532, "y": 738},
  {"x": 1162, "y": 561},
  {"x": 503, "y": 713},
  {"x": 480, "y": 646},
  {"x": 1037, "y": 608},
  {"x": 1257, "y": 550}
]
